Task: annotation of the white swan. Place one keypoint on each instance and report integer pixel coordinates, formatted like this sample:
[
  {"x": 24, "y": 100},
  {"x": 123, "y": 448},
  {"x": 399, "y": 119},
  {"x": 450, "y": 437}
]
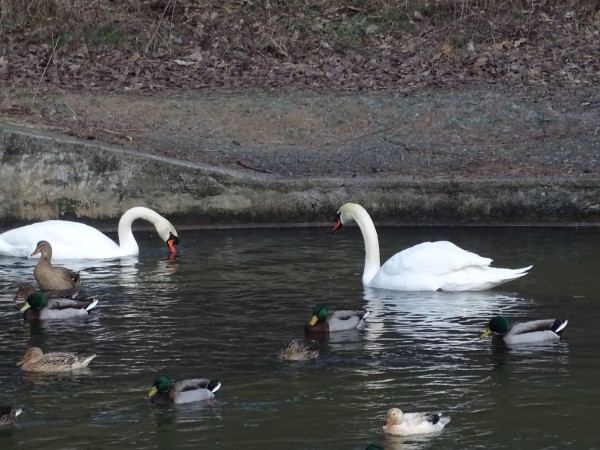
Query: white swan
[
  {"x": 429, "y": 266},
  {"x": 74, "y": 240}
]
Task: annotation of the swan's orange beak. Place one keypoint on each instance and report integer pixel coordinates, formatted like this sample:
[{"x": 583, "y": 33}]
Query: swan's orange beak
[
  {"x": 337, "y": 226},
  {"x": 172, "y": 243}
]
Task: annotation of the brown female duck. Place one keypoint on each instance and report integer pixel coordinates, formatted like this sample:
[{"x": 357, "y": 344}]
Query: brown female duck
[
  {"x": 35, "y": 360},
  {"x": 8, "y": 415},
  {"x": 25, "y": 290},
  {"x": 51, "y": 278}
]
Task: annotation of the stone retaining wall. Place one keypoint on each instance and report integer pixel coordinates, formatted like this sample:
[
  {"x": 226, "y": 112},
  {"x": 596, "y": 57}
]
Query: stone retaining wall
[{"x": 46, "y": 176}]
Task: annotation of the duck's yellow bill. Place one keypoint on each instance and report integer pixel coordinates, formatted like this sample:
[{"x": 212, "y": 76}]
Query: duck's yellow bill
[
  {"x": 153, "y": 391},
  {"x": 314, "y": 320},
  {"x": 25, "y": 307},
  {"x": 485, "y": 333}
]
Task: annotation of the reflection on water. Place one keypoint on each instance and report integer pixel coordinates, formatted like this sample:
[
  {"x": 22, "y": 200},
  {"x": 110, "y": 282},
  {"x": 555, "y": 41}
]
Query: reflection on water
[{"x": 230, "y": 299}]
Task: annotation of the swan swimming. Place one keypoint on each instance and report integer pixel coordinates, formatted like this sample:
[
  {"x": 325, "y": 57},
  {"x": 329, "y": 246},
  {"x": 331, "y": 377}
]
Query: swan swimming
[
  {"x": 429, "y": 266},
  {"x": 74, "y": 240}
]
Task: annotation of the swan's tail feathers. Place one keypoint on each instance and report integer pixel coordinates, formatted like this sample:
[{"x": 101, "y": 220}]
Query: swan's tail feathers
[
  {"x": 505, "y": 275},
  {"x": 559, "y": 326},
  {"x": 523, "y": 270},
  {"x": 91, "y": 305}
]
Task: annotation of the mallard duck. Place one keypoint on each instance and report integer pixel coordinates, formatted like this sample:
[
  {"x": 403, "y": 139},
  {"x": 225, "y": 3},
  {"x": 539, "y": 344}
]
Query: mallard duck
[
  {"x": 35, "y": 360},
  {"x": 429, "y": 266},
  {"x": 165, "y": 391},
  {"x": 39, "y": 307},
  {"x": 73, "y": 240},
  {"x": 49, "y": 277},
  {"x": 8, "y": 415},
  {"x": 535, "y": 331},
  {"x": 405, "y": 424},
  {"x": 300, "y": 350},
  {"x": 25, "y": 290},
  {"x": 325, "y": 321}
]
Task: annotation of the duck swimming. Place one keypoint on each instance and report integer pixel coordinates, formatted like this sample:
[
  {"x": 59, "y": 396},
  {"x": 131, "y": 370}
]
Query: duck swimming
[
  {"x": 35, "y": 360},
  {"x": 300, "y": 350},
  {"x": 165, "y": 391},
  {"x": 25, "y": 290},
  {"x": 532, "y": 332},
  {"x": 38, "y": 307},
  {"x": 325, "y": 321},
  {"x": 52, "y": 278},
  {"x": 406, "y": 424},
  {"x": 8, "y": 416}
]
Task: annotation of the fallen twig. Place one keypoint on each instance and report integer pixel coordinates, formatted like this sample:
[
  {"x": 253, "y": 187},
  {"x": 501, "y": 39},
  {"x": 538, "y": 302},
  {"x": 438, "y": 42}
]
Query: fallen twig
[{"x": 257, "y": 169}]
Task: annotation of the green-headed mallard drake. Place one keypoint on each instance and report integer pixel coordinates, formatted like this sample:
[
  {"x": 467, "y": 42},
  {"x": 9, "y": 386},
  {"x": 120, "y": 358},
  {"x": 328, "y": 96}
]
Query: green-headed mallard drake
[
  {"x": 51, "y": 278},
  {"x": 8, "y": 415},
  {"x": 325, "y": 321},
  {"x": 405, "y": 424},
  {"x": 39, "y": 307},
  {"x": 535, "y": 331},
  {"x": 300, "y": 350},
  {"x": 165, "y": 391},
  {"x": 35, "y": 360}
]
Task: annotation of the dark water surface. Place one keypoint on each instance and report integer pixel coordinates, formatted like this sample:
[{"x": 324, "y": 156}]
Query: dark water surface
[{"x": 231, "y": 298}]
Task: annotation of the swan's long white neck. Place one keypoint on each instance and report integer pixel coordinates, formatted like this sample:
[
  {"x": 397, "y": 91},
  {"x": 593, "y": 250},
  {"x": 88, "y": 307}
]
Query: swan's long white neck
[
  {"x": 367, "y": 228},
  {"x": 127, "y": 241}
]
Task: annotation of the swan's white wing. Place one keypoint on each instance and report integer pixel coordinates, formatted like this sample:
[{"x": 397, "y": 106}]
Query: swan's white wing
[
  {"x": 69, "y": 240},
  {"x": 433, "y": 258},
  {"x": 443, "y": 266}
]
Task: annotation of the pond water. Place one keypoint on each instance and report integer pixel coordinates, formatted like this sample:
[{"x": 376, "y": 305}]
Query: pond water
[{"x": 231, "y": 298}]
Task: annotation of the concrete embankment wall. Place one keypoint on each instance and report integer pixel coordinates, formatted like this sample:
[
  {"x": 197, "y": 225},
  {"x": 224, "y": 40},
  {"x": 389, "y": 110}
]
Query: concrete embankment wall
[{"x": 47, "y": 176}]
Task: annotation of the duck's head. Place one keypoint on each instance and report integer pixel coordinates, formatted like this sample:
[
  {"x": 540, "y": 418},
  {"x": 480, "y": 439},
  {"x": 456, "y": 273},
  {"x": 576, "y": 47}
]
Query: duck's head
[
  {"x": 32, "y": 354},
  {"x": 395, "y": 416},
  {"x": 498, "y": 324},
  {"x": 320, "y": 313},
  {"x": 37, "y": 300},
  {"x": 42, "y": 247},
  {"x": 344, "y": 215},
  {"x": 162, "y": 384},
  {"x": 23, "y": 292}
]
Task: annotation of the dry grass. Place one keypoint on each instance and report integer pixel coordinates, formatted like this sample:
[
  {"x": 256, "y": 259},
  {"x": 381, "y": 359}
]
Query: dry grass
[
  {"x": 270, "y": 26},
  {"x": 347, "y": 45}
]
